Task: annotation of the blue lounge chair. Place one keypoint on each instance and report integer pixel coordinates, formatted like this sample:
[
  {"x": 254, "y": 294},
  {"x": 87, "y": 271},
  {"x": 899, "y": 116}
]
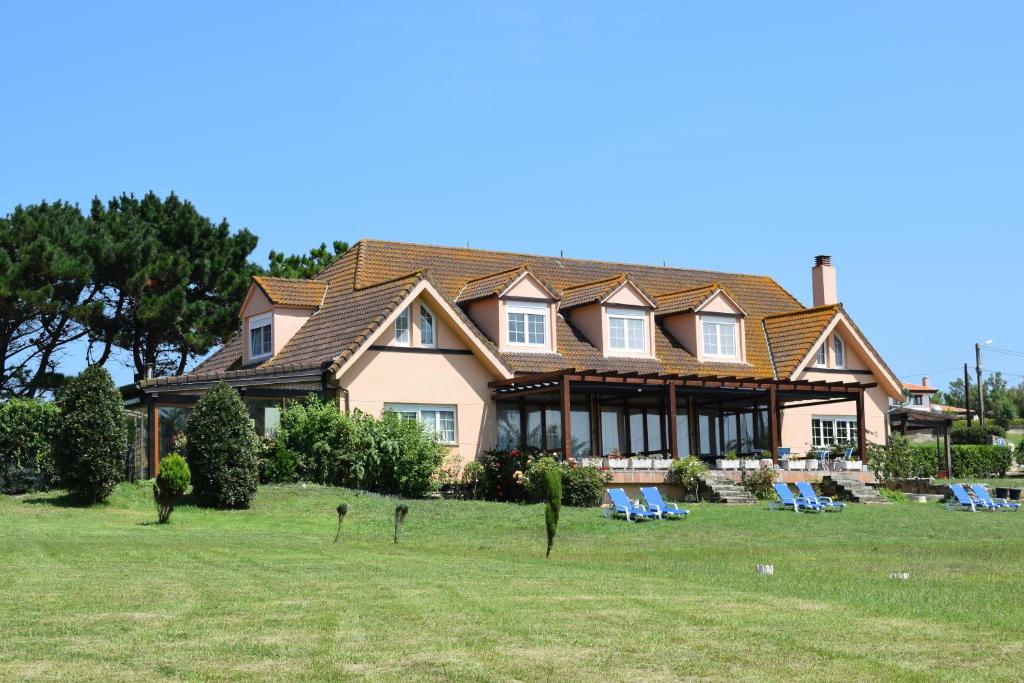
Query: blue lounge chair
[
  {"x": 982, "y": 494},
  {"x": 788, "y": 501},
  {"x": 962, "y": 501},
  {"x": 824, "y": 502},
  {"x": 622, "y": 505},
  {"x": 652, "y": 496}
]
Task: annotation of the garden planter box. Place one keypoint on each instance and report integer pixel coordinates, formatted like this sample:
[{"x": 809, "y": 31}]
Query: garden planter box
[
  {"x": 592, "y": 462},
  {"x": 792, "y": 465},
  {"x": 811, "y": 464},
  {"x": 662, "y": 464},
  {"x": 749, "y": 464},
  {"x": 640, "y": 463},
  {"x": 727, "y": 464},
  {"x": 855, "y": 465},
  {"x": 618, "y": 464},
  {"x": 766, "y": 463}
]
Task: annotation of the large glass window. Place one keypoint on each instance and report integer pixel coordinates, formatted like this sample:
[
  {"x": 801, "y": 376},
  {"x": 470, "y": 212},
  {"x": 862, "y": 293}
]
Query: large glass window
[
  {"x": 627, "y": 330},
  {"x": 509, "y": 428},
  {"x": 708, "y": 433},
  {"x": 553, "y": 429},
  {"x": 172, "y": 421},
  {"x": 683, "y": 433},
  {"x": 427, "y": 336},
  {"x": 534, "y": 427},
  {"x": 580, "y": 421},
  {"x": 402, "y": 327},
  {"x": 613, "y": 430},
  {"x": 265, "y": 414},
  {"x": 636, "y": 431},
  {"x": 527, "y": 323},
  {"x": 654, "y": 431},
  {"x": 438, "y": 419},
  {"x": 719, "y": 335}
]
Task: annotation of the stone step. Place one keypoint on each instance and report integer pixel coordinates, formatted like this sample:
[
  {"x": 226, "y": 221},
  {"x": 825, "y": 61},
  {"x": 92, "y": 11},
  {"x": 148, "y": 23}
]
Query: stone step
[
  {"x": 725, "y": 490},
  {"x": 852, "y": 490}
]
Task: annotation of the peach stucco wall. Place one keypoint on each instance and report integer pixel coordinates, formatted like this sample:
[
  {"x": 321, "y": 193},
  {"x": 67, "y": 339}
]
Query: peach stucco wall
[
  {"x": 487, "y": 317},
  {"x": 527, "y": 288},
  {"x": 795, "y": 429},
  {"x": 590, "y": 321},
  {"x": 431, "y": 377},
  {"x": 627, "y": 296}
]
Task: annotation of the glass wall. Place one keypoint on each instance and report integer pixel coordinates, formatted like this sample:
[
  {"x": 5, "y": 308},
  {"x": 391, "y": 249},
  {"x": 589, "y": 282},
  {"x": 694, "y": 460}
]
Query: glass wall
[
  {"x": 265, "y": 414},
  {"x": 172, "y": 421}
]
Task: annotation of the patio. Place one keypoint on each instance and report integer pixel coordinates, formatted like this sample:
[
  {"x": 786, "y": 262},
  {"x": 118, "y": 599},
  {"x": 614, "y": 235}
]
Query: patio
[{"x": 637, "y": 423}]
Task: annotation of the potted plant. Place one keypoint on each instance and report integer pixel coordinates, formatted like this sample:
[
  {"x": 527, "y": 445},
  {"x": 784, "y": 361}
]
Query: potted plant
[
  {"x": 795, "y": 463},
  {"x": 616, "y": 461},
  {"x": 639, "y": 462},
  {"x": 765, "y": 461},
  {"x": 748, "y": 463},
  {"x": 729, "y": 462},
  {"x": 853, "y": 465}
]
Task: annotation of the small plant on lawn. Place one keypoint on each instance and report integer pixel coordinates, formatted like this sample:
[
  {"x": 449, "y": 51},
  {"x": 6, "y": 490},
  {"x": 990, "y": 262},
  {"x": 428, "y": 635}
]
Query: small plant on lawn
[
  {"x": 759, "y": 483},
  {"x": 400, "y": 512},
  {"x": 553, "y": 504},
  {"x": 171, "y": 483},
  {"x": 222, "y": 450},
  {"x": 688, "y": 473},
  {"x": 91, "y": 438},
  {"x": 342, "y": 511}
]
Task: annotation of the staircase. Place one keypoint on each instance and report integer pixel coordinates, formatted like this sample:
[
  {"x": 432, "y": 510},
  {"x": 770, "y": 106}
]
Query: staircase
[
  {"x": 852, "y": 489},
  {"x": 720, "y": 489}
]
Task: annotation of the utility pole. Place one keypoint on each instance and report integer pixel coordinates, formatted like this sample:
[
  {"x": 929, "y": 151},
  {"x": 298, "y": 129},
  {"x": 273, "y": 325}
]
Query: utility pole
[
  {"x": 981, "y": 386},
  {"x": 967, "y": 394}
]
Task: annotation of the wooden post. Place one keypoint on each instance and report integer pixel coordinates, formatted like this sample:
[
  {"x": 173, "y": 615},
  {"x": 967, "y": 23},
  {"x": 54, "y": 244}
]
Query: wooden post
[
  {"x": 596, "y": 447},
  {"x": 949, "y": 452},
  {"x": 153, "y": 438},
  {"x": 773, "y": 423},
  {"x": 673, "y": 428},
  {"x": 694, "y": 421},
  {"x": 566, "y": 420},
  {"x": 861, "y": 430}
]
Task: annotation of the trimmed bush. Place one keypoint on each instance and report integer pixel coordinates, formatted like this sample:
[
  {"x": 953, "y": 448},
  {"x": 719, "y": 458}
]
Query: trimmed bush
[
  {"x": 895, "y": 461},
  {"x": 964, "y": 434},
  {"x": 925, "y": 461},
  {"x": 688, "y": 473},
  {"x": 584, "y": 486},
  {"x": 91, "y": 438},
  {"x": 222, "y": 450},
  {"x": 171, "y": 483},
  {"x": 313, "y": 439},
  {"x": 760, "y": 484},
  {"x": 26, "y": 435},
  {"x": 395, "y": 456},
  {"x": 981, "y": 461},
  {"x": 277, "y": 464}
]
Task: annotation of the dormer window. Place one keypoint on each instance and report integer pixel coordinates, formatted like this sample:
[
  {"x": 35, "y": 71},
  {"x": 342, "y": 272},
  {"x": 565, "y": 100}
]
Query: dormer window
[
  {"x": 719, "y": 333},
  {"x": 627, "y": 330},
  {"x": 840, "y": 351},
  {"x": 402, "y": 328},
  {"x": 427, "y": 337},
  {"x": 260, "y": 337},
  {"x": 527, "y": 323}
]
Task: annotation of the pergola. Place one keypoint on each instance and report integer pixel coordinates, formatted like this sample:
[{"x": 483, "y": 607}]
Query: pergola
[
  {"x": 906, "y": 419},
  {"x": 681, "y": 393}
]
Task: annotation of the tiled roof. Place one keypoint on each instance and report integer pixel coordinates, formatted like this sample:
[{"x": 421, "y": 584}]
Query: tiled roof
[
  {"x": 687, "y": 300},
  {"x": 919, "y": 388},
  {"x": 368, "y": 282},
  {"x": 793, "y": 334},
  {"x": 496, "y": 283},
  {"x": 287, "y": 292}
]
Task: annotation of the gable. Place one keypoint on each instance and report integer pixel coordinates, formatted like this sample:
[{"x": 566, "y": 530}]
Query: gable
[
  {"x": 527, "y": 286},
  {"x": 628, "y": 294},
  {"x": 720, "y": 303}
]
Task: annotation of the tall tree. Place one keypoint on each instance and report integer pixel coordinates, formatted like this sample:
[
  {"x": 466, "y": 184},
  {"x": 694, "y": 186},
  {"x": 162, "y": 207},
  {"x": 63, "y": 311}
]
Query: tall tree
[
  {"x": 305, "y": 265},
  {"x": 171, "y": 281},
  {"x": 46, "y": 289}
]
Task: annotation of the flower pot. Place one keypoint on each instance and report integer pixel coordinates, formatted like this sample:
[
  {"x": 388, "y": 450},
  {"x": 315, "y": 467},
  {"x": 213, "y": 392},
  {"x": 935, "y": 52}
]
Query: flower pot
[
  {"x": 662, "y": 464},
  {"x": 766, "y": 463},
  {"x": 617, "y": 463},
  {"x": 854, "y": 465},
  {"x": 592, "y": 462},
  {"x": 640, "y": 463},
  {"x": 749, "y": 464},
  {"x": 811, "y": 464},
  {"x": 727, "y": 464},
  {"x": 792, "y": 465}
]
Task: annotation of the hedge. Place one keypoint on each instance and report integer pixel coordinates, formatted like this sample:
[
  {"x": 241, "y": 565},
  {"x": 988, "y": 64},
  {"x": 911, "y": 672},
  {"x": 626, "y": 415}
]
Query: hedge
[
  {"x": 980, "y": 461},
  {"x": 26, "y": 435}
]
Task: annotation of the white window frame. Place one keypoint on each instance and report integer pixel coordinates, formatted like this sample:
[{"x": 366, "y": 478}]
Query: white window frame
[
  {"x": 527, "y": 309},
  {"x": 402, "y": 325},
  {"x": 406, "y": 410},
  {"x": 626, "y": 315},
  {"x": 258, "y": 322},
  {"x": 821, "y": 356},
  {"x": 433, "y": 327},
  {"x": 840, "y": 428},
  {"x": 839, "y": 351},
  {"x": 720, "y": 321}
]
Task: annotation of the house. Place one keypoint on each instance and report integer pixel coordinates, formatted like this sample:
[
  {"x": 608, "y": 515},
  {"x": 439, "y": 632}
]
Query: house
[
  {"x": 494, "y": 349},
  {"x": 918, "y": 396}
]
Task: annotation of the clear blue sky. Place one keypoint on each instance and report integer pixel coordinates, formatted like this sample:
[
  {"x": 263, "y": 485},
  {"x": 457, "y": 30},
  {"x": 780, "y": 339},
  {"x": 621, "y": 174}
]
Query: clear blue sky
[{"x": 731, "y": 136}]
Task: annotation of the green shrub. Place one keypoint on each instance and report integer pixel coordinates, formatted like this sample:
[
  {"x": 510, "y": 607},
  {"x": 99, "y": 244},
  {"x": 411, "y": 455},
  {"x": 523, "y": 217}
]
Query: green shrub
[
  {"x": 171, "y": 483},
  {"x": 584, "y": 486},
  {"x": 26, "y": 435},
  {"x": 892, "y": 496},
  {"x": 980, "y": 461},
  {"x": 91, "y": 439},
  {"x": 925, "y": 460},
  {"x": 396, "y": 456},
  {"x": 761, "y": 484},
  {"x": 552, "y": 504},
  {"x": 504, "y": 474},
  {"x": 894, "y": 461},
  {"x": 222, "y": 450},
  {"x": 473, "y": 480},
  {"x": 314, "y": 435},
  {"x": 964, "y": 434},
  {"x": 536, "y": 474},
  {"x": 688, "y": 473},
  {"x": 277, "y": 464}
]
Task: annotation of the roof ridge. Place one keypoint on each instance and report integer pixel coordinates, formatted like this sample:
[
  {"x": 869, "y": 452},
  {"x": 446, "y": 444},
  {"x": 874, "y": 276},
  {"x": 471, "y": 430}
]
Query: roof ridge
[
  {"x": 613, "y": 278},
  {"x": 406, "y": 276},
  {"x": 567, "y": 258},
  {"x": 515, "y": 269},
  {"x": 687, "y": 290}
]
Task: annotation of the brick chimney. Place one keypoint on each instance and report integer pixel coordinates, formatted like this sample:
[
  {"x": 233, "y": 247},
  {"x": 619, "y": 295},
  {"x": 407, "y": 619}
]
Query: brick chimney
[
  {"x": 823, "y": 281},
  {"x": 924, "y": 381}
]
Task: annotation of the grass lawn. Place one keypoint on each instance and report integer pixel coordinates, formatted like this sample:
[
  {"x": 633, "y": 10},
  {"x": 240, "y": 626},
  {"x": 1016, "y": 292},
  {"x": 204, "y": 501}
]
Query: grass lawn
[{"x": 104, "y": 594}]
